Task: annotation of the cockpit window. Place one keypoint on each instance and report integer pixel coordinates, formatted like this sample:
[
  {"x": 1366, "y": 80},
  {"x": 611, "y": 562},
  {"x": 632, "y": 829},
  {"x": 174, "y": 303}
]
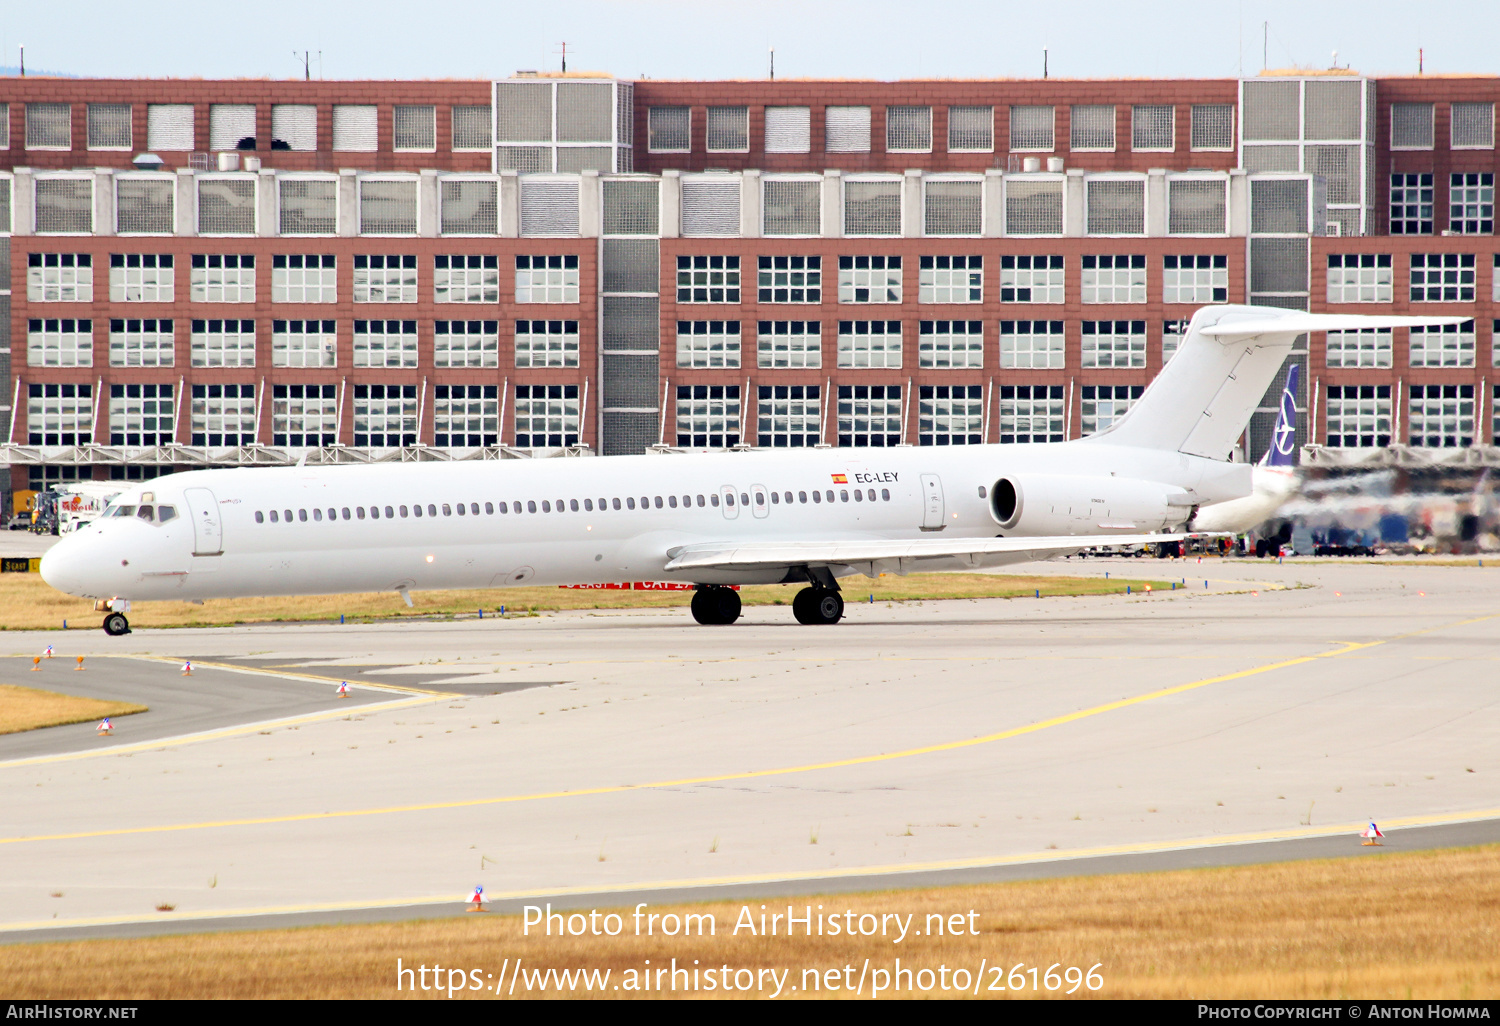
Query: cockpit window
[
  {"x": 124, "y": 511},
  {"x": 165, "y": 513},
  {"x": 146, "y": 513}
]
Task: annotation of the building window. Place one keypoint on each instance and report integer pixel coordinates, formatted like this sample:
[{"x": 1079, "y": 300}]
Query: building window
[
  {"x": 141, "y": 278},
  {"x": 952, "y": 207},
  {"x": 950, "y": 344},
  {"x": 788, "y": 129},
  {"x": 471, "y": 128},
  {"x": 49, "y": 126},
  {"x": 223, "y": 415},
  {"x": 1441, "y": 416},
  {"x": 950, "y": 279},
  {"x": 1031, "y": 129},
  {"x": 414, "y": 128},
  {"x": 1091, "y": 127},
  {"x": 304, "y": 416},
  {"x": 1213, "y": 126},
  {"x": 1116, "y": 206},
  {"x": 846, "y": 129},
  {"x": 1031, "y": 413},
  {"x": 790, "y": 279},
  {"x": 381, "y": 344},
  {"x": 1153, "y": 127},
  {"x": 792, "y": 206},
  {"x": 546, "y": 416},
  {"x": 1359, "y": 417},
  {"x": 169, "y": 127},
  {"x": 1442, "y": 277},
  {"x": 869, "y": 279},
  {"x": 1173, "y": 333},
  {"x": 1200, "y": 278},
  {"x": 387, "y": 207},
  {"x": 789, "y": 344},
  {"x": 385, "y": 279},
  {"x": 1196, "y": 207},
  {"x": 708, "y": 416},
  {"x": 231, "y": 126},
  {"x": 304, "y": 278},
  {"x": 1472, "y": 126},
  {"x": 1446, "y": 345},
  {"x": 309, "y": 206},
  {"x": 872, "y": 207},
  {"x": 1411, "y": 204},
  {"x": 728, "y": 130},
  {"x": 64, "y": 206},
  {"x": 466, "y": 416},
  {"x": 1471, "y": 203},
  {"x": 1367, "y": 347},
  {"x": 869, "y": 415},
  {"x": 471, "y": 343},
  {"x": 971, "y": 129},
  {"x": 908, "y": 129},
  {"x": 1032, "y": 345},
  {"x": 59, "y": 414},
  {"x": 547, "y": 279},
  {"x": 222, "y": 343},
  {"x": 226, "y": 206},
  {"x": 60, "y": 342},
  {"x": 669, "y": 130},
  {"x": 546, "y": 343},
  {"x": 1411, "y": 126},
  {"x": 1114, "y": 344},
  {"x": 109, "y": 126},
  {"x": 474, "y": 278},
  {"x": 950, "y": 415},
  {"x": 869, "y": 344},
  {"x": 138, "y": 342},
  {"x": 1360, "y": 278},
  {"x": 787, "y": 416},
  {"x": 1114, "y": 278},
  {"x": 144, "y": 206},
  {"x": 140, "y": 415},
  {"x": 708, "y": 343},
  {"x": 307, "y": 343},
  {"x": 1031, "y": 279},
  {"x": 708, "y": 279},
  {"x": 59, "y": 278},
  {"x": 355, "y": 128},
  {"x": 222, "y": 278},
  {"x": 294, "y": 127},
  {"x": 1104, "y": 405},
  {"x": 385, "y": 416}
]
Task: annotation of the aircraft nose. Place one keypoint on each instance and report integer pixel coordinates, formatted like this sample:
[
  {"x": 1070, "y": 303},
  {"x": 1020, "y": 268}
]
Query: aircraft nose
[{"x": 63, "y": 566}]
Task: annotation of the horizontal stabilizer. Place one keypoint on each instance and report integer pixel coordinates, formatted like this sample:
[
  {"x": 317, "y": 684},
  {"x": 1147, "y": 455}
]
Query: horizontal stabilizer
[
  {"x": 1298, "y": 323},
  {"x": 877, "y": 556}
]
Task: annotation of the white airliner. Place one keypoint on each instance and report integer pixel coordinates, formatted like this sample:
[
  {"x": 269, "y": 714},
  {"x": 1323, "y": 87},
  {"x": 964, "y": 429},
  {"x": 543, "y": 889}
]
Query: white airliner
[
  {"x": 809, "y": 515},
  {"x": 1273, "y": 482}
]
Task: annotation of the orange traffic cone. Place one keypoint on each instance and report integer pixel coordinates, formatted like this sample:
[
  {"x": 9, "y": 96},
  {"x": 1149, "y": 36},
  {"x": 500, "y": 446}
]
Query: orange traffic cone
[
  {"x": 36, "y": 663},
  {"x": 80, "y": 663}
]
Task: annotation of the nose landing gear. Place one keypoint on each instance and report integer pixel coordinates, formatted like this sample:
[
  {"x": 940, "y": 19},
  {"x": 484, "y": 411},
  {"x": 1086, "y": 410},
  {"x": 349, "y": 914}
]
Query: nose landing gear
[
  {"x": 115, "y": 625},
  {"x": 818, "y": 605},
  {"x": 715, "y": 606}
]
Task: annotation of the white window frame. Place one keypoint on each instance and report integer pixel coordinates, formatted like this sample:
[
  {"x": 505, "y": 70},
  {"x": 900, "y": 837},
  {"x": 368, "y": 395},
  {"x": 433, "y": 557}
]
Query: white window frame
[
  {"x": 940, "y": 179},
  {"x": 234, "y": 176},
  {"x": 53, "y": 176},
  {"x": 163, "y": 289},
  {"x": 1365, "y": 348},
  {"x": 161, "y": 350},
  {"x": 950, "y": 355},
  {"x": 359, "y": 205},
  {"x": 691, "y": 353},
  {"x": 243, "y": 353},
  {"x": 474, "y": 177},
  {"x": 475, "y": 284},
  {"x": 1055, "y": 290},
  {"x": 707, "y": 128},
  {"x": 431, "y": 108},
  {"x": 859, "y": 349},
  {"x": 569, "y": 280},
  {"x": 326, "y": 355},
  {"x": 927, "y": 279},
  {"x": 872, "y": 178},
  {"x": 800, "y": 115},
  {"x": 767, "y": 179},
  {"x": 1431, "y": 127},
  {"x": 547, "y": 348},
  {"x": 145, "y": 176},
  {"x": 803, "y": 349},
  {"x": 302, "y": 411},
  {"x": 1052, "y": 355},
  {"x": 1452, "y": 121},
  {"x": 198, "y": 283},
  {"x": 378, "y": 280},
  {"x": 339, "y": 214},
  {"x": 1171, "y": 147},
  {"x": 403, "y": 354},
  {"x": 908, "y": 149},
  {"x": 79, "y": 352},
  {"x": 1011, "y": 128},
  {"x": 478, "y": 349}
]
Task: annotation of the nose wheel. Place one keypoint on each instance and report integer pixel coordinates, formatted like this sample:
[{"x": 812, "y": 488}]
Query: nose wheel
[
  {"x": 115, "y": 625},
  {"x": 818, "y": 606},
  {"x": 715, "y": 606}
]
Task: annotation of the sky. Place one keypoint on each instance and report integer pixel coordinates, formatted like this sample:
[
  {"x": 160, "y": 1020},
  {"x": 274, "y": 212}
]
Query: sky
[{"x": 714, "y": 39}]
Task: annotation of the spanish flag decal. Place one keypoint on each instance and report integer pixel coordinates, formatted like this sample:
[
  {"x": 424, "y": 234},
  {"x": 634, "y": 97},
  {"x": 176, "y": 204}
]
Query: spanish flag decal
[{"x": 840, "y": 478}]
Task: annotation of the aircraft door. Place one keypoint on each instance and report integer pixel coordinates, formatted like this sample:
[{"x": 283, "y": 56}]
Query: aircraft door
[
  {"x": 729, "y": 502},
  {"x": 758, "y": 501},
  {"x": 932, "y": 503},
  {"x": 208, "y": 528}
]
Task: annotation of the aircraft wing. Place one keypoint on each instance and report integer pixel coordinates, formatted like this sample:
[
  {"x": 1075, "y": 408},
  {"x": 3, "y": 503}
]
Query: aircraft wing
[{"x": 877, "y": 556}]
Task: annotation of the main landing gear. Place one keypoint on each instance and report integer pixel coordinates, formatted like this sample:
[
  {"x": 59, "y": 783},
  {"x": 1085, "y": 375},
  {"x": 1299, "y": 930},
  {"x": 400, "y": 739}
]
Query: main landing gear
[
  {"x": 818, "y": 605},
  {"x": 115, "y": 625},
  {"x": 716, "y": 606}
]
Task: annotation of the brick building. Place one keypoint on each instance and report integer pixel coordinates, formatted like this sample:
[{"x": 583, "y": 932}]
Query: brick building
[{"x": 204, "y": 273}]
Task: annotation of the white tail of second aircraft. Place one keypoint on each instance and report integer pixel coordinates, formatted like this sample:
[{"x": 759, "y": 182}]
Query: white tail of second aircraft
[{"x": 1201, "y": 401}]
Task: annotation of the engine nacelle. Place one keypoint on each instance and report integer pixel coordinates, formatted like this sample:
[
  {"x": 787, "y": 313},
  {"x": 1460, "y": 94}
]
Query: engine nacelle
[{"x": 1056, "y": 504}]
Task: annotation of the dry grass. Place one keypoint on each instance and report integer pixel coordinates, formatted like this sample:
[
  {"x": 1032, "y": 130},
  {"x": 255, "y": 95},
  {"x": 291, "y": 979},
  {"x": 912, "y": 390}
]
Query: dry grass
[
  {"x": 1421, "y": 925},
  {"x": 30, "y": 708},
  {"x": 28, "y": 603}
]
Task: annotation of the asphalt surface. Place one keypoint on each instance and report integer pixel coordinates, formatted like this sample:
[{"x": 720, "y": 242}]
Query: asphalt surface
[{"x": 598, "y": 757}]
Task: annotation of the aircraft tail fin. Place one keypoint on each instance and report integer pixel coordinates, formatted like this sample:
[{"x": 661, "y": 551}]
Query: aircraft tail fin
[
  {"x": 1283, "y": 448},
  {"x": 1202, "y": 400}
]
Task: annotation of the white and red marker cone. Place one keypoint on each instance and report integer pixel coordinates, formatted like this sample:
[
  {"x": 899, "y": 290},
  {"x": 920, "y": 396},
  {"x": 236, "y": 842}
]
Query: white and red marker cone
[
  {"x": 1371, "y": 834},
  {"x": 343, "y": 689},
  {"x": 105, "y": 727},
  {"x": 476, "y": 900},
  {"x": 47, "y": 654},
  {"x": 187, "y": 668}
]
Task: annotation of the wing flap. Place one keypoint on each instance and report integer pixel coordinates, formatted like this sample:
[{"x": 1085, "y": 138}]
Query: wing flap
[{"x": 899, "y": 556}]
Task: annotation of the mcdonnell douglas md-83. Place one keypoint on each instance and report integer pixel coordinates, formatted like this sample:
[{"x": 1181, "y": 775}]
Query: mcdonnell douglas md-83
[{"x": 715, "y": 519}]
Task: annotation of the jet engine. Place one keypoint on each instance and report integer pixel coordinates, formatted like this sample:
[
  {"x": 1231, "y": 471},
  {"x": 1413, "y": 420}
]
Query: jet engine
[{"x": 1055, "y": 504}]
